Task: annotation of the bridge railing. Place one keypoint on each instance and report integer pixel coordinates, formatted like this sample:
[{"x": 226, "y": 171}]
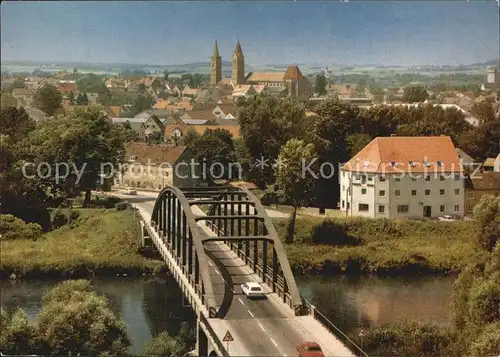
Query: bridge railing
[
  {"x": 218, "y": 342},
  {"x": 334, "y": 330}
]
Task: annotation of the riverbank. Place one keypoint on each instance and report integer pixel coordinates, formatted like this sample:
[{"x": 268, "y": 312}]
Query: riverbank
[
  {"x": 102, "y": 242},
  {"x": 382, "y": 247}
]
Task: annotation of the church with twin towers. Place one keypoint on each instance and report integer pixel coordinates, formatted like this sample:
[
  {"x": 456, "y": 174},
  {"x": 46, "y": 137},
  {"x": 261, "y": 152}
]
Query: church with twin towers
[{"x": 286, "y": 83}]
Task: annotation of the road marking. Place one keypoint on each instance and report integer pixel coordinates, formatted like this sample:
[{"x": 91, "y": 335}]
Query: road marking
[
  {"x": 218, "y": 272},
  {"x": 250, "y": 312},
  {"x": 274, "y": 342},
  {"x": 211, "y": 264},
  {"x": 242, "y": 303},
  {"x": 262, "y": 327}
]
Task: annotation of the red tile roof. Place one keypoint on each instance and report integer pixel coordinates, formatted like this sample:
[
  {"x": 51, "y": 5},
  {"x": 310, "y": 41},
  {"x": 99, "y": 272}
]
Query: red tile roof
[
  {"x": 156, "y": 153},
  {"x": 65, "y": 88},
  {"x": 406, "y": 154}
]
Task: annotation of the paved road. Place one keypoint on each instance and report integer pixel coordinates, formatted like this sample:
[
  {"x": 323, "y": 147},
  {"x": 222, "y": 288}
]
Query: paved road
[{"x": 262, "y": 326}]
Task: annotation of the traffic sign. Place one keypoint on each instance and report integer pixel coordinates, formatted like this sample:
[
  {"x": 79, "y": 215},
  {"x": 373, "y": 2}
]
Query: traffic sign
[{"x": 228, "y": 337}]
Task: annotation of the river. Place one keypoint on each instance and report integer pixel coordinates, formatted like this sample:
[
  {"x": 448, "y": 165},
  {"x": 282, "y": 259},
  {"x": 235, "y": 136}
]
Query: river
[{"x": 149, "y": 306}]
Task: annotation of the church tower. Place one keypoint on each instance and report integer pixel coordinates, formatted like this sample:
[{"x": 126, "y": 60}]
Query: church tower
[
  {"x": 238, "y": 76},
  {"x": 215, "y": 66}
]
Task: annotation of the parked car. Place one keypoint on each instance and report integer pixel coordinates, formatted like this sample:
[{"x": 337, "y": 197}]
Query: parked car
[
  {"x": 309, "y": 349},
  {"x": 446, "y": 218},
  {"x": 252, "y": 290},
  {"x": 129, "y": 191}
]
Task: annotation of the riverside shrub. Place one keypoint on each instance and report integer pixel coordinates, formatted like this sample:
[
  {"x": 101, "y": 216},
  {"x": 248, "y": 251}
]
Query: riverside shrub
[{"x": 12, "y": 227}]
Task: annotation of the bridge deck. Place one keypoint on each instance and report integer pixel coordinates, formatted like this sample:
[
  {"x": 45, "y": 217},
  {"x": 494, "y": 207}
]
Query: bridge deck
[{"x": 259, "y": 327}]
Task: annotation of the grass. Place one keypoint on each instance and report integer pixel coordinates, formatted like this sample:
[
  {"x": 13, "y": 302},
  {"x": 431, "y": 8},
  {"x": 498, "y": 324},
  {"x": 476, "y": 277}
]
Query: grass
[
  {"x": 379, "y": 246},
  {"x": 103, "y": 241}
]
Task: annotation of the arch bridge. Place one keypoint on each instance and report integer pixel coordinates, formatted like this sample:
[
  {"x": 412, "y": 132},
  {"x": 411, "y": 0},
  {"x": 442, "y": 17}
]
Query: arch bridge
[{"x": 214, "y": 239}]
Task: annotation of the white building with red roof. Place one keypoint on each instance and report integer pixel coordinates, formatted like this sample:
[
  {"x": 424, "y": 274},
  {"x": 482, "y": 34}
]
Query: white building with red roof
[{"x": 403, "y": 177}]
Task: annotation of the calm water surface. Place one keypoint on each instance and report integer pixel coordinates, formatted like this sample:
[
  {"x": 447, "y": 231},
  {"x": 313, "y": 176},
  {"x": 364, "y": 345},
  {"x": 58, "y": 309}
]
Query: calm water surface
[{"x": 150, "y": 306}]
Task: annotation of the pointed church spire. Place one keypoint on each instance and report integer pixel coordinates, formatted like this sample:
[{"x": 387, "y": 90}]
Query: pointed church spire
[
  {"x": 216, "y": 49},
  {"x": 237, "y": 49}
]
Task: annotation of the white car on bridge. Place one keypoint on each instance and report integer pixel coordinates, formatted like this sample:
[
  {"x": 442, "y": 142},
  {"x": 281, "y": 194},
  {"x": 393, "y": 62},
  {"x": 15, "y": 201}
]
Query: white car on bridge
[{"x": 252, "y": 290}]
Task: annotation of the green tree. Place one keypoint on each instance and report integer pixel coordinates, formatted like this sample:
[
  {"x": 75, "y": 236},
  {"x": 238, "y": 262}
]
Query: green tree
[
  {"x": 165, "y": 75},
  {"x": 48, "y": 99},
  {"x": 87, "y": 140},
  {"x": 267, "y": 123},
  {"x": 190, "y": 137},
  {"x": 214, "y": 148},
  {"x": 91, "y": 83},
  {"x": 141, "y": 103},
  {"x": 413, "y": 94},
  {"x": 296, "y": 184},
  {"x": 20, "y": 196},
  {"x": 357, "y": 142},
  {"x": 82, "y": 99},
  {"x": 320, "y": 84},
  {"x": 128, "y": 133},
  {"x": 71, "y": 97},
  {"x": 17, "y": 84},
  {"x": 165, "y": 345},
  {"x": 75, "y": 320},
  {"x": 487, "y": 214}
]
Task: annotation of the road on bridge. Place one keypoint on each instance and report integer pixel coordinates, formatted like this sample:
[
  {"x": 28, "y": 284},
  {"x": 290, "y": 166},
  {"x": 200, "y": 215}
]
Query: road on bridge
[{"x": 264, "y": 327}]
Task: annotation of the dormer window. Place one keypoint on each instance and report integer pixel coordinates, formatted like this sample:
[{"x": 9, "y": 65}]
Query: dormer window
[
  {"x": 439, "y": 163},
  {"x": 412, "y": 163},
  {"x": 427, "y": 163},
  {"x": 366, "y": 163},
  {"x": 133, "y": 158},
  {"x": 394, "y": 164}
]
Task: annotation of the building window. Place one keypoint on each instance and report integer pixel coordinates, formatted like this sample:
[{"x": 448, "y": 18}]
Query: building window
[
  {"x": 397, "y": 192},
  {"x": 363, "y": 191},
  {"x": 427, "y": 178},
  {"x": 441, "y": 208},
  {"x": 363, "y": 179},
  {"x": 441, "y": 178},
  {"x": 403, "y": 208},
  {"x": 414, "y": 179},
  {"x": 343, "y": 203},
  {"x": 363, "y": 207},
  {"x": 441, "y": 192},
  {"x": 471, "y": 208},
  {"x": 381, "y": 209},
  {"x": 370, "y": 178},
  {"x": 381, "y": 193},
  {"x": 356, "y": 177},
  {"x": 397, "y": 179},
  {"x": 457, "y": 177},
  {"x": 457, "y": 208},
  {"x": 382, "y": 179},
  {"x": 343, "y": 173},
  {"x": 413, "y": 192},
  {"x": 343, "y": 188},
  {"x": 457, "y": 191},
  {"x": 427, "y": 192},
  {"x": 132, "y": 169}
]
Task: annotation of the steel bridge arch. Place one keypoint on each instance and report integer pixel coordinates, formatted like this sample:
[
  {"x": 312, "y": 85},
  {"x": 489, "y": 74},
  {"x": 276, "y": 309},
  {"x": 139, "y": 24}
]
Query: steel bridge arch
[
  {"x": 208, "y": 296},
  {"x": 273, "y": 237}
]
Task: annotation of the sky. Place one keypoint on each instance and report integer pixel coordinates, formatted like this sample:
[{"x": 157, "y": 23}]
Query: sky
[{"x": 271, "y": 32}]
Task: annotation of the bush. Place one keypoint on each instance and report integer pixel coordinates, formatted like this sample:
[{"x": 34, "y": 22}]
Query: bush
[
  {"x": 74, "y": 320},
  {"x": 19, "y": 336},
  {"x": 73, "y": 215},
  {"x": 165, "y": 345},
  {"x": 14, "y": 228},
  {"x": 121, "y": 206},
  {"x": 59, "y": 219},
  {"x": 334, "y": 233},
  {"x": 408, "y": 338}
]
